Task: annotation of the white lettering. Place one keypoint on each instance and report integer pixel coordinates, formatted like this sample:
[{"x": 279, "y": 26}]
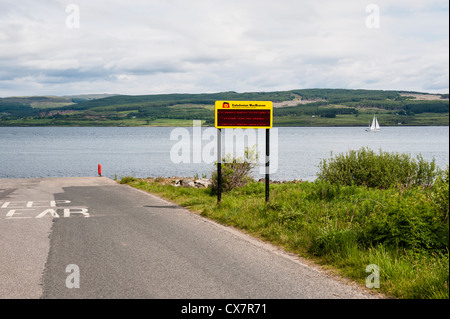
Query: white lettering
[
  {"x": 198, "y": 309},
  {"x": 39, "y": 204},
  {"x": 73, "y": 280},
  {"x": 17, "y": 204},
  {"x": 12, "y": 212},
  {"x": 239, "y": 150},
  {"x": 82, "y": 211},
  {"x": 40, "y": 209},
  {"x": 197, "y": 145},
  {"x": 373, "y": 280},
  {"x": 52, "y": 212},
  {"x": 209, "y": 153},
  {"x": 237, "y": 143},
  {"x": 273, "y": 157},
  {"x": 53, "y": 203},
  {"x": 184, "y": 145},
  {"x": 73, "y": 19},
  {"x": 373, "y": 19}
]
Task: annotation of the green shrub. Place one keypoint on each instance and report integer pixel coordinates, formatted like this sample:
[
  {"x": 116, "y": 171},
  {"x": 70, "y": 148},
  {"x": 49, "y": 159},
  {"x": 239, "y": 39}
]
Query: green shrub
[
  {"x": 236, "y": 172},
  {"x": 414, "y": 218},
  {"x": 440, "y": 194},
  {"x": 365, "y": 167},
  {"x": 127, "y": 179},
  {"x": 408, "y": 219}
]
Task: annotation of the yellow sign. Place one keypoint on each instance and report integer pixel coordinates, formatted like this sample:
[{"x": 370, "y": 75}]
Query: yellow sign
[{"x": 244, "y": 114}]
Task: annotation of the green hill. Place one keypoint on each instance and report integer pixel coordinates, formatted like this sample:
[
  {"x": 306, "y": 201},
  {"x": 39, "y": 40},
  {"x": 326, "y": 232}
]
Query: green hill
[{"x": 303, "y": 107}]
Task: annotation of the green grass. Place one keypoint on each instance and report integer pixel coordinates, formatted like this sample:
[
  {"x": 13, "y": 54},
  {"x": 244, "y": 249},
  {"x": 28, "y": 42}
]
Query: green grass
[
  {"x": 337, "y": 227},
  {"x": 350, "y": 108}
]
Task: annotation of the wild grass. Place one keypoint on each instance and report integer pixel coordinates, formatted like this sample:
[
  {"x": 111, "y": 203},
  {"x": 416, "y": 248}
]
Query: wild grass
[{"x": 403, "y": 229}]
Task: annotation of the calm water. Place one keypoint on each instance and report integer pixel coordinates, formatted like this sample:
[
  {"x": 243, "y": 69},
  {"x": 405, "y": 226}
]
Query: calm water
[{"x": 143, "y": 152}]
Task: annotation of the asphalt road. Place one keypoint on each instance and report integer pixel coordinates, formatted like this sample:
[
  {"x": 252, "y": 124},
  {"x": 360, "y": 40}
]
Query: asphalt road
[{"x": 93, "y": 238}]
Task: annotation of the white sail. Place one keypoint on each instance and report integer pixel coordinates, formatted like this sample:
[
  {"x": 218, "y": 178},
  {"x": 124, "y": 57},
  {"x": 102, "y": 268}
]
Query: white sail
[
  {"x": 374, "y": 127},
  {"x": 377, "y": 126}
]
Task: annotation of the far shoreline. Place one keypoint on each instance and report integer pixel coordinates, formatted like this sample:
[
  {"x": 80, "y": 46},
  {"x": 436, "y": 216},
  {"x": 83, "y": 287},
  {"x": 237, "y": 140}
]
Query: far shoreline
[{"x": 275, "y": 126}]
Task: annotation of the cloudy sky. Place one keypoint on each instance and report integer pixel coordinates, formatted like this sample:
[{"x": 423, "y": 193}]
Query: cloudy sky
[{"x": 58, "y": 47}]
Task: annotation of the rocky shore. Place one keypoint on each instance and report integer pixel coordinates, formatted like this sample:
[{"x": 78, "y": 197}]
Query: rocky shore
[{"x": 200, "y": 182}]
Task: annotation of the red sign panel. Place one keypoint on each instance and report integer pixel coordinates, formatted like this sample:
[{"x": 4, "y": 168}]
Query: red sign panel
[{"x": 243, "y": 118}]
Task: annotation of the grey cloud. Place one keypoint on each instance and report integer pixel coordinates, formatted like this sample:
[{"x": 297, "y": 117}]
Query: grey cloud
[{"x": 200, "y": 46}]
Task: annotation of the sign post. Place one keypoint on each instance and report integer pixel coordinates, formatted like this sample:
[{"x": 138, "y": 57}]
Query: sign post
[
  {"x": 267, "y": 163},
  {"x": 219, "y": 164},
  {"x": 242, "y": 114}
]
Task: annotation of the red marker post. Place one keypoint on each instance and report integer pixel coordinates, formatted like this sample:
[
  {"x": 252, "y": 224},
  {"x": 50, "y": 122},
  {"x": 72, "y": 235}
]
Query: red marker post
[{"x": 99, "y": 170}]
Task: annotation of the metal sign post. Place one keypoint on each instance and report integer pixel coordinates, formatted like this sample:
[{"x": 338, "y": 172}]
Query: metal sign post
[
  {"x": 242, "y": 114},
  {"x": 219, "y": 164},
  {"x": 267, "y": 163}
]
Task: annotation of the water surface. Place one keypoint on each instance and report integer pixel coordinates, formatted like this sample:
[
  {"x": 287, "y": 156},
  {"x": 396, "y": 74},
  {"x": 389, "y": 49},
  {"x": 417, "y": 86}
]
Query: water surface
[{"x": 145, "y": 151}]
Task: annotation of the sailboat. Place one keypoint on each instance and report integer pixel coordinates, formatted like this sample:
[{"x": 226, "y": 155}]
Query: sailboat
[{"x": 375, "y": 127}]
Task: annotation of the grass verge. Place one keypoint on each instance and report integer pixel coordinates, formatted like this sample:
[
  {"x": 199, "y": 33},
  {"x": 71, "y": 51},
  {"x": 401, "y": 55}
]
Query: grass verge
[{"x": 343, "y": 228}]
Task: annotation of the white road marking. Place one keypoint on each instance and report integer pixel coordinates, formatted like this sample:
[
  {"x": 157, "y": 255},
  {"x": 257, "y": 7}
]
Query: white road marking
[{"x": 40, "y": 209}]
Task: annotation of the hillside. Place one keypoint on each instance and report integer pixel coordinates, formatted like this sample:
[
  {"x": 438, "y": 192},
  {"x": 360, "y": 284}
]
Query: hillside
[{"x": 303, "y": 107}]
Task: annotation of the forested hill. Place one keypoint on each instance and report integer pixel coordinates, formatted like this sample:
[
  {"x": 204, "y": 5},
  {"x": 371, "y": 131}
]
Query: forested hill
[{"x": 303, "y": 107}]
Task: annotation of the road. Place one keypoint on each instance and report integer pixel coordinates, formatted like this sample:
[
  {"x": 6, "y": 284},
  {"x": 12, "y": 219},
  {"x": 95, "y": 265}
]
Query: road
[{"x": 90, "y": 237}]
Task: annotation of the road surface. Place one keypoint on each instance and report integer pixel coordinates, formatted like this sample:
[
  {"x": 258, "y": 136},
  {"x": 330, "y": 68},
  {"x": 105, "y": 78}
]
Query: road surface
[{"x": 91, "y": 237}]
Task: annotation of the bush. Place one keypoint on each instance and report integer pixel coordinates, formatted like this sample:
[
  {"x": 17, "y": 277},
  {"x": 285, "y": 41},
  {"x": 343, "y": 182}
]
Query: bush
[
  {"x": 408, "y": 221},
  {"x": 440, "y": 194},
  {"x": 236, "y": 172},
  {"x": 365, "y": 167},
  {"x": 127, "y": 179}
]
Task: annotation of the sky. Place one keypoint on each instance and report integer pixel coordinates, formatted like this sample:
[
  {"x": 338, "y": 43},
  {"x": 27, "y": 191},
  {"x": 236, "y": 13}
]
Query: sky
[{"x": 68, "y": 47}]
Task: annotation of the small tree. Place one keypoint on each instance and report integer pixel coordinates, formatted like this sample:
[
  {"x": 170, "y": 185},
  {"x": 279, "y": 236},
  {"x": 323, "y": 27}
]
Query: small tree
[{"x": 236, "y": 172}]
